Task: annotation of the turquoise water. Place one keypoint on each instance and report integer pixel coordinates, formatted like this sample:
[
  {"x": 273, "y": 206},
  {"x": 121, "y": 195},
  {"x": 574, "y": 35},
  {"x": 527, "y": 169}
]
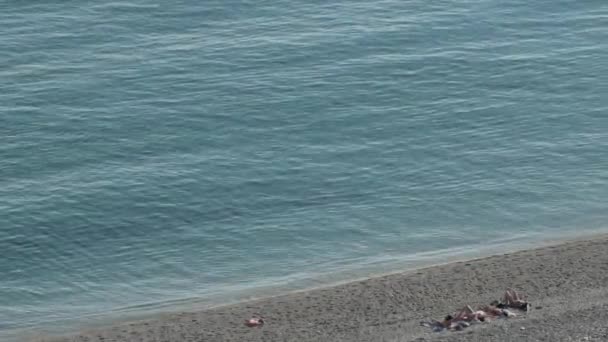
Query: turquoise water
[{"x": 157, "y": 152}]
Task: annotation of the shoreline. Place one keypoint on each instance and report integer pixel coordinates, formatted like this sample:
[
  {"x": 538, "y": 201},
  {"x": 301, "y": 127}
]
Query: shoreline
[
  {"x": 376, "y": 303},
  {"x": 398, "y": 265}
]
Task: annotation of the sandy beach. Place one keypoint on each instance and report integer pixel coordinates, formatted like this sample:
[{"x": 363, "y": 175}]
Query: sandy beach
[{"x": 566, "y": 284}]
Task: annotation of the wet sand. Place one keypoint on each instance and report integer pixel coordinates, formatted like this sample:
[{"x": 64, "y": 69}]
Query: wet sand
[{"x": 566, "y": 283}]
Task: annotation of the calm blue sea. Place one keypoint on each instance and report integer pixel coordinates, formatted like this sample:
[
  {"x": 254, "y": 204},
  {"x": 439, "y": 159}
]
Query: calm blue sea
[{"x": 162, "y": 153}]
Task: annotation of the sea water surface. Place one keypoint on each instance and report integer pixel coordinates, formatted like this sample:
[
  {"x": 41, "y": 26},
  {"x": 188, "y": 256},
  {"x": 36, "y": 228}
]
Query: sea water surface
[{"x": 163, "y": 152}]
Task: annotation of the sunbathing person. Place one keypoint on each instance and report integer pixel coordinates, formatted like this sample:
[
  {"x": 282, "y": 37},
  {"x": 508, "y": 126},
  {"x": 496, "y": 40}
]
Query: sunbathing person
[
  {"x": 462, "y": 319},
  {"x": 495, "y": 311},
  {"x": 254, "y": 322},
  {"x": 512, "y": 299},
  {"x": 467, "y": 314},
  {"x": 449, "y": 323}
]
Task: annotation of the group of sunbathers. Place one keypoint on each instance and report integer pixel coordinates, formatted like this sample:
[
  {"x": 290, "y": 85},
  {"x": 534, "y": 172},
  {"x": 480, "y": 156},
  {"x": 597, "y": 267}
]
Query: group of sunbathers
[
  {"x": 463, "y": 318},
  {"x": 466, "y": 316}
]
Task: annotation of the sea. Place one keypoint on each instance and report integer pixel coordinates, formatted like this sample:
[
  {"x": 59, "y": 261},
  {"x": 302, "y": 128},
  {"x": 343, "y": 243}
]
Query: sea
[{"x": 169, "y": 155}]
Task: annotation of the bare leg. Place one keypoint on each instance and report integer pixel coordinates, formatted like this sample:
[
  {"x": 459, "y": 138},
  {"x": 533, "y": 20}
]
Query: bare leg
[
  {"x": 465, "y": 314},
  {"x": 509, "y": 297},
  {"x": 505, "y": 297},
  {"x": 459, "y": 315},
  {"x": 516, "y": 296}
]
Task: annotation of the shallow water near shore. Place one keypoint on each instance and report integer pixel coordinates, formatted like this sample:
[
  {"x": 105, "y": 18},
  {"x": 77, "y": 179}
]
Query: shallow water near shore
[{"x": 154, "y": 153}]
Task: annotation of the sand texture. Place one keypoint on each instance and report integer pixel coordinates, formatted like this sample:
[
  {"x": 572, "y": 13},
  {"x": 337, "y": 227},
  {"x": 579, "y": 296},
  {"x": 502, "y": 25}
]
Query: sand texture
[{"x": 565, "y": 283}]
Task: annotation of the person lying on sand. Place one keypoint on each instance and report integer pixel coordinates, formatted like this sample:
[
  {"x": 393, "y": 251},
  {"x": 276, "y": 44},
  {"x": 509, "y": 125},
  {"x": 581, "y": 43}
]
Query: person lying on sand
[
  {"x": 466, "y": 316},
  {"x": 449, "y": 322},
  {"x": 512, "y": 299},
  {"x": 494, "y": 311},
  {"x": 467, "y": 313},
  {"x": 254, "y": 322},
  {"x": 462, "y": 319}
]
